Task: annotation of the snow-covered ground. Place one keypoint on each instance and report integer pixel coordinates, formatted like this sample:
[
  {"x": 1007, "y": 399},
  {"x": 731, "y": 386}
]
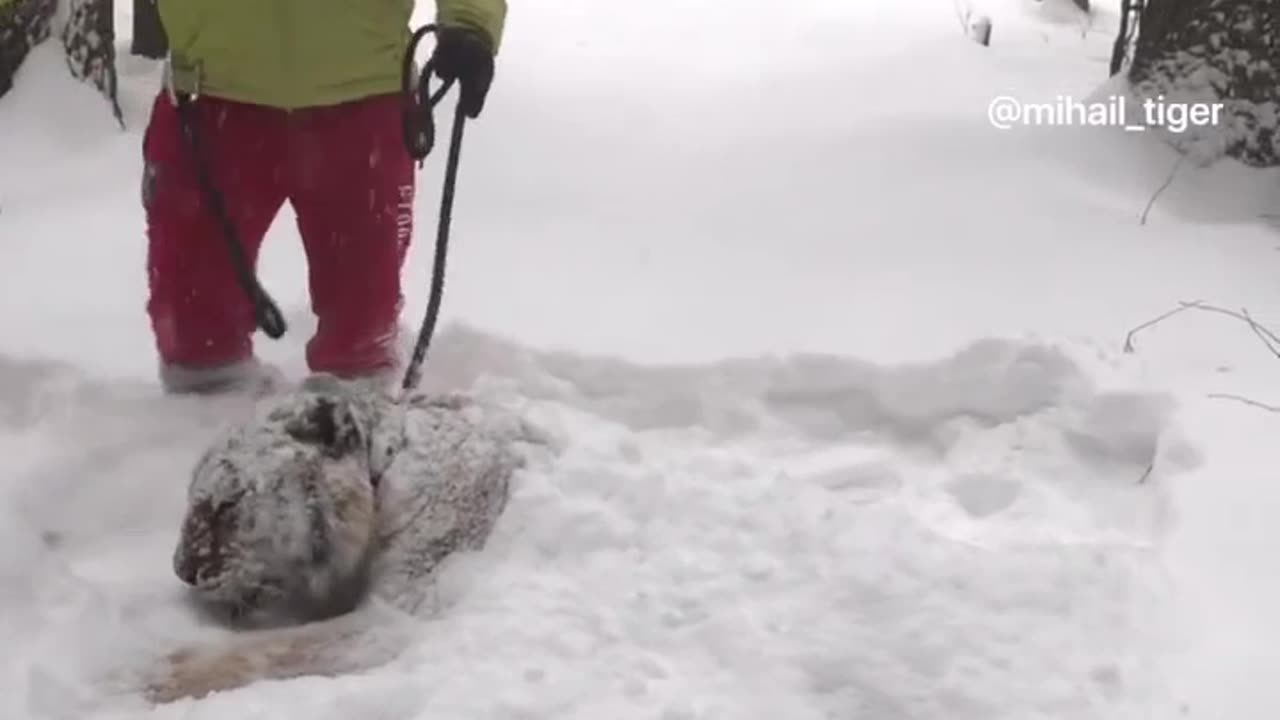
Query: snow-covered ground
[{"x": 837, "y": 370}]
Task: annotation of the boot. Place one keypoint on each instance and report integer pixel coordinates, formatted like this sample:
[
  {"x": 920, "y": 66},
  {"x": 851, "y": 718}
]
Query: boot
[{"x": 247, "y": 377}]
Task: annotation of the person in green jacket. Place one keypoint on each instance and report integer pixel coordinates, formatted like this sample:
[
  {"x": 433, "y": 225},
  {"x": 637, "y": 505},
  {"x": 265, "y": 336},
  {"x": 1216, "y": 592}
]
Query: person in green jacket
[{"x": 298, "y": 101}]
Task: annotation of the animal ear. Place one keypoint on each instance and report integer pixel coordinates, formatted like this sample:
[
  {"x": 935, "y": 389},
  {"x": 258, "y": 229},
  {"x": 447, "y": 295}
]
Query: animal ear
[{"x": 328, "y": 424}]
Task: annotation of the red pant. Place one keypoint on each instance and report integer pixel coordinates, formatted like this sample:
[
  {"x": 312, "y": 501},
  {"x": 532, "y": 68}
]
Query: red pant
[{"x": 347, "y": 175}]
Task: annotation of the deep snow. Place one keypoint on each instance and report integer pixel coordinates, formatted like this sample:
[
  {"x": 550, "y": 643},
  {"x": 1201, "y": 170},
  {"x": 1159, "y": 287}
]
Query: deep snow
[{"x": 836, "y": 368}]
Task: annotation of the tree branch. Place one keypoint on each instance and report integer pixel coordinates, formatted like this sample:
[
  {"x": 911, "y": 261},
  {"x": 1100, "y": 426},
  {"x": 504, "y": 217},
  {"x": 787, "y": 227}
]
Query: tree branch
[
  {"x": 1173, "y": 172},
  {"x": 1182, "y": 307},
  {"x": 1268, "y": 338},
  {"x": 1246, "y": 401}
]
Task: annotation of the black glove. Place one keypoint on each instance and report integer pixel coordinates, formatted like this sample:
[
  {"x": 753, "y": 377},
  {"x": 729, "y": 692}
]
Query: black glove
[{"x": 466, "y": 56}]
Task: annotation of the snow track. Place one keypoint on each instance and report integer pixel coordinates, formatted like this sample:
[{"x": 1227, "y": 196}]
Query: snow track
[{"x": 809, "y": 537}]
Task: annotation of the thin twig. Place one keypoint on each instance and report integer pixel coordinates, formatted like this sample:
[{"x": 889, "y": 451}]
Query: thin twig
[
  {"x": 1086, "y": 17},
  {"x": 963, "y": 14},
  {"x": 1167, "y": 182},
  {"x": 1268, "y": 337},
  {"x": 1146, "y": 475},
  {"x": 1246, "y": 401},
  {"x": 1183, "y": 307}
]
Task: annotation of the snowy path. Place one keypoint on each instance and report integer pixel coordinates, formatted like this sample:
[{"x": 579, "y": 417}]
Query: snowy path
[
  {"x": 964, "y": 502},
  {"x": 811, "y": 539}
]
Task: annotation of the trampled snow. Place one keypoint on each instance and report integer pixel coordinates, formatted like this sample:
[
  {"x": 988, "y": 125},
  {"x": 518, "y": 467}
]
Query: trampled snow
[{"x": 835, "y": 371}]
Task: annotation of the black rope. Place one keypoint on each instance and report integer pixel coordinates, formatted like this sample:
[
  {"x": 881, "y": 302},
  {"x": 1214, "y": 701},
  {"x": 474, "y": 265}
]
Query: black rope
[
  {"x": 419, "y": 125},
  {"x": 266, "y": 314},
  {"x": 419, "y": 138}
]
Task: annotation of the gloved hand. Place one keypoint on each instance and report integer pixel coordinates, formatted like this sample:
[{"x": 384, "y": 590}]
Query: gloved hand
[{"x": 466, "y": 56}]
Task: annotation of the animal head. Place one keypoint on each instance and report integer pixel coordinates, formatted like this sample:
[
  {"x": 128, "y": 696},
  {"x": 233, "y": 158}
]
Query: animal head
[{"x": 281, "y": 512}]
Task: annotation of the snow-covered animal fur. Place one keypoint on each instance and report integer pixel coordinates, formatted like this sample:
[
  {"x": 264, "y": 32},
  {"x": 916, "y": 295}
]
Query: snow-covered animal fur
[{"x": 328, "y": 495}]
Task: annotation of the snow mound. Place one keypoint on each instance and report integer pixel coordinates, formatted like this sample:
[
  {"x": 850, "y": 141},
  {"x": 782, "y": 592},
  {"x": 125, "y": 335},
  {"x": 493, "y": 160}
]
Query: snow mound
[{"x": 801, "y": 537}]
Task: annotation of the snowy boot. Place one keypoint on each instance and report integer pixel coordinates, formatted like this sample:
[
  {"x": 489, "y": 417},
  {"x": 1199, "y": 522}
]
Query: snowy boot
[
  {"x": 383, "y": 380},
  {"x": 247, "y": 377}
]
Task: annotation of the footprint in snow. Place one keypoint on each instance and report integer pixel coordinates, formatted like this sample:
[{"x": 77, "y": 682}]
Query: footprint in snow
[{"x": 983, "y": 495}]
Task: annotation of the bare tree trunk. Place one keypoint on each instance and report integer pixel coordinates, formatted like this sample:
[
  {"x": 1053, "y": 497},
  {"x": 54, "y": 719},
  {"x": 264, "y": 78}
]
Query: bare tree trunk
[
  {"x": 1223, "y": 51},
  {"x": 149, "y": 39},
  {"x": 1124, "y": 36},
  {"x": 23, "y": 25},
  {"x": 90, "y": 41}
]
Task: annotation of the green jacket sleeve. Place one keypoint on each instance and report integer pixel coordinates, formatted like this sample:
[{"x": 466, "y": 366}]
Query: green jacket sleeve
[{"x": 486, "y": 16}]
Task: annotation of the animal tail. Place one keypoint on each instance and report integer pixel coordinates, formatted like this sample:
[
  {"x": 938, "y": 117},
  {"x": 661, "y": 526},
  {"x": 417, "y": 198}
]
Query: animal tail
[{"x": 352, "y": 643}]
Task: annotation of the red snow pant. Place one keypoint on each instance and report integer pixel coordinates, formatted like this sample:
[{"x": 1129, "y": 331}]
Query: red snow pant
[{"x": 344, "y": 170}]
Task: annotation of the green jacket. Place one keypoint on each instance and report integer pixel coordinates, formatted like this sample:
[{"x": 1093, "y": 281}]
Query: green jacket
[{"x": 302, "y": 53}]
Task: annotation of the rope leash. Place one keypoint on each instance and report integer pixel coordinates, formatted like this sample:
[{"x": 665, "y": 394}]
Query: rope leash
[
  {"x": 266, "y": 314},
  {"x": 419, "y": 135}
]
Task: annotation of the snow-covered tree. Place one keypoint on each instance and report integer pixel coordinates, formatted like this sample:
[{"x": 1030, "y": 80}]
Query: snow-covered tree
[
  {"x": 1215, "y": 51},
  {"x": 23, "y": 25},
  {"x": 89, "y": 37},
  {"x": 85, "y": 27}
]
